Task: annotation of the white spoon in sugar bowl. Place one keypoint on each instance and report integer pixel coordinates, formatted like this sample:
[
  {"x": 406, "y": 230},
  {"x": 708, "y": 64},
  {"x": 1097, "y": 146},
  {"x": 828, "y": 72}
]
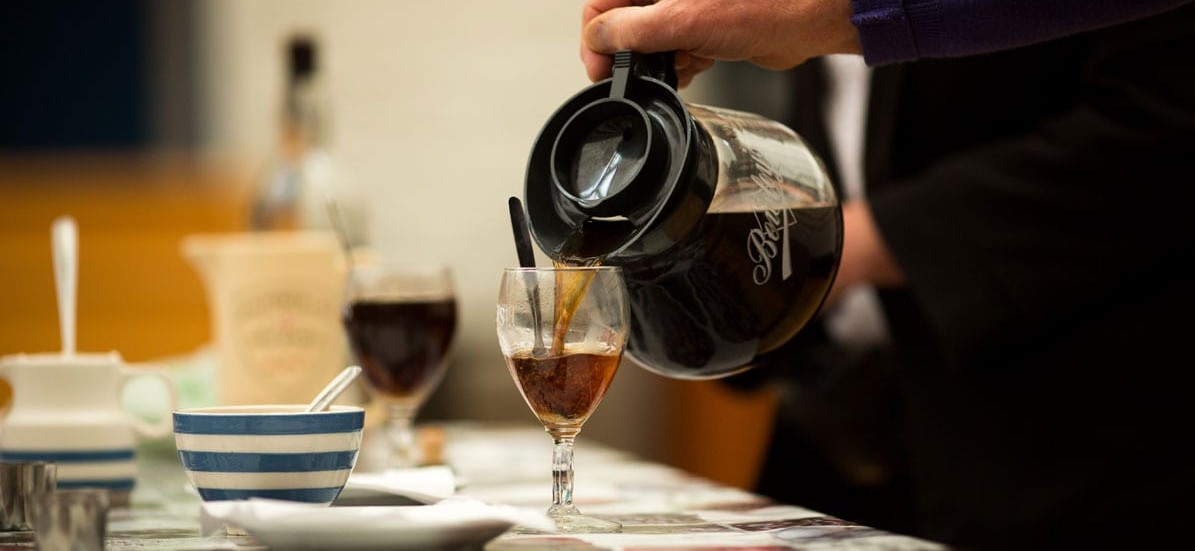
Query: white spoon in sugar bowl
[{"x": 334, "y": 388}]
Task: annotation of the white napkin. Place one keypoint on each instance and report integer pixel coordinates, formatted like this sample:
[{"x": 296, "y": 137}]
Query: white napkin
[
  {"x": 424, "y": 485},
  {"x": 294, "y": 525}
]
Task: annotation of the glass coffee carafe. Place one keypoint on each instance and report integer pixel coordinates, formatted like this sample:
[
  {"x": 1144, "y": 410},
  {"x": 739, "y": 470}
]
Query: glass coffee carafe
[{"x": 725, "y": 223}]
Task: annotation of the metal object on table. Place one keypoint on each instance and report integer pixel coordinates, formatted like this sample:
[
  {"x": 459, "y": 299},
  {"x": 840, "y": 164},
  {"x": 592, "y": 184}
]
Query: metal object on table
[
  {"x": 71, "y": 520},
  {"x": 19, "y": 482}
]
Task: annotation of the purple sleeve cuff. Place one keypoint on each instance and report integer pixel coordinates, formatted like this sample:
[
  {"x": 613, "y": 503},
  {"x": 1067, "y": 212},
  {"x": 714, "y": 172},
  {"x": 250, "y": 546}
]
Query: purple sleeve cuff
[{"x": 884, "y": 31}]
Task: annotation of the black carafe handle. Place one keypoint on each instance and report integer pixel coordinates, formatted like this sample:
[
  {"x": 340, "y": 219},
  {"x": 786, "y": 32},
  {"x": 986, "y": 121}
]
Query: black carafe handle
[{"x": 628, "y": 64}]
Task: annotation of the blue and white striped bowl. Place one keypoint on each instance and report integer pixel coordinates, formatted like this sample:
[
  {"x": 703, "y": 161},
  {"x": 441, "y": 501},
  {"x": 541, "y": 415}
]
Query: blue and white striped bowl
[{"x": 278, "y": 452}]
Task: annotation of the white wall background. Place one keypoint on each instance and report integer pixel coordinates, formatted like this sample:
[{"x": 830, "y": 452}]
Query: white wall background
[{"x": 436, "y": 104}]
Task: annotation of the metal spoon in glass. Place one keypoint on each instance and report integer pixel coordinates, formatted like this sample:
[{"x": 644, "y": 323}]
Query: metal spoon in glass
[{"x": 334, "y": 388}]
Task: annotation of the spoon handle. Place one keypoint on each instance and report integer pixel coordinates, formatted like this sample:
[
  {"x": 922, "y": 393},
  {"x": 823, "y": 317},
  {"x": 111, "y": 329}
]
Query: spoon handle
[
  {"x": 65, "y": 234},
  {"x": 334, "y": 388}
]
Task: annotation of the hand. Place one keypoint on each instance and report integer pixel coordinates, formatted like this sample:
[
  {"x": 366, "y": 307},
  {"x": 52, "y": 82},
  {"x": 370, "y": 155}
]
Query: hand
[
  {"x": 775, "y": 34},
  {"x": 865, "y": 257}
]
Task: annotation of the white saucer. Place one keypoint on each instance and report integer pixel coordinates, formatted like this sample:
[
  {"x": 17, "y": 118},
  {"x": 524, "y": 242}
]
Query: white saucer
[{"x": 450, "y": 523}]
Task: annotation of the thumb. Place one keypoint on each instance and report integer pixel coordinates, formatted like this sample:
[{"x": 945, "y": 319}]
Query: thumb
[{"x": 639, "y": 28}]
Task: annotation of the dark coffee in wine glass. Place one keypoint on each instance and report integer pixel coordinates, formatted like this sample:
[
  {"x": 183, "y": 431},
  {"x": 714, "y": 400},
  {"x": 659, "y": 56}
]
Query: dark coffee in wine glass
[
  {"x": 564, "y": 389},
  {"x": 400, "y": 345}
]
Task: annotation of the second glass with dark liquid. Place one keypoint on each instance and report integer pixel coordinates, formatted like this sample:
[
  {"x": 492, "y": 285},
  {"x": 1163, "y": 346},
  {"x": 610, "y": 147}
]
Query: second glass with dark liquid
[{"x": 400, "y": 322}]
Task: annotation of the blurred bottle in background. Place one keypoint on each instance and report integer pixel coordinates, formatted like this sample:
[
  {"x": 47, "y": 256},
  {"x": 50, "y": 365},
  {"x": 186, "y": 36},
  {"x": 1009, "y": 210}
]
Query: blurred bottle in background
[
  {"x": 301, "y": 176},
  {"x": 299, "y": 184}
]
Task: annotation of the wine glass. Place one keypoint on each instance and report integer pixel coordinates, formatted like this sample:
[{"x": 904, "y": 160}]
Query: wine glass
[
  {"x": 563, "y": 331},
  {"x": 400, "y": 321}
]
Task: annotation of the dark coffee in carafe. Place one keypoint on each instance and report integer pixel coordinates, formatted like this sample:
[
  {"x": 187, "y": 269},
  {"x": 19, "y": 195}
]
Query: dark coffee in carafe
[{"x": 725, "y": 223}]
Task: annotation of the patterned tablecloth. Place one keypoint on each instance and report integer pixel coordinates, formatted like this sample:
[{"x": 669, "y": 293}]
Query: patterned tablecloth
[{"x": 660, "y": 508}]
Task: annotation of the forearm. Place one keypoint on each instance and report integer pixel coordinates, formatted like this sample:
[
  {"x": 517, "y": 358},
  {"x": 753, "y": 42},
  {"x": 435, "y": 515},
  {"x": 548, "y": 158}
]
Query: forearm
[{"x": 866, "y": 259}]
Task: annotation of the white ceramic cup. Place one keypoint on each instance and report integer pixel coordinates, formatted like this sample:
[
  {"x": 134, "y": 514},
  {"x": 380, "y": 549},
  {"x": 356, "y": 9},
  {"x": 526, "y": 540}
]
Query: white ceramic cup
[{"x": 68, "y": 409}]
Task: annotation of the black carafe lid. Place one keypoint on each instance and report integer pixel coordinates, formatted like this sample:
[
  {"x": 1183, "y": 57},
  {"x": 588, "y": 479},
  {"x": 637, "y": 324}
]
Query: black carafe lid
[{"x": 615, "y": 163}]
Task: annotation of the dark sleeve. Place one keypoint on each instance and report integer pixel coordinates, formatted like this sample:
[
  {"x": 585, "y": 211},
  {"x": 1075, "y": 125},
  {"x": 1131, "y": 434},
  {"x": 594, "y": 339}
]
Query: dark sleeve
[
  {"x": 903, "y": 30},
  {"x": 1008, "y": 241}
]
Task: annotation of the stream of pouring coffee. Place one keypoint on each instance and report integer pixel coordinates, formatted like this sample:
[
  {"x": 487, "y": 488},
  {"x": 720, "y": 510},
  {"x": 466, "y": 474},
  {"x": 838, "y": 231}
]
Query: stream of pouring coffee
[{"x": 570, "y": 291}]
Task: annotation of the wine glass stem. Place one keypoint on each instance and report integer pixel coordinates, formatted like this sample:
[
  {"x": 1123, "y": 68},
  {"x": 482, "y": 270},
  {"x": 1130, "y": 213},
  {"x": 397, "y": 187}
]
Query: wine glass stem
[
  {"x": 562, "y": 473},
  {"x": 401, "y": 433}
]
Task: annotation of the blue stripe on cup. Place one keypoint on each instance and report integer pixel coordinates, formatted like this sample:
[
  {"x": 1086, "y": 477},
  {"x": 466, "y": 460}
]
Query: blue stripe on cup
[
  {"x": 266, "y": 462},
  {"x": 259, "y": 423},
  {"x": 114, "y": 484},
  {"x": 75, "y": 466},
  {"x": 311, "y": 495},
  {"x": 74, "y": 456}
]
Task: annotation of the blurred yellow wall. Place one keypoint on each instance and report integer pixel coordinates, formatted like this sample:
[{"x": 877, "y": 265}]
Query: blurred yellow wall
[{"x": 136, "y": 294}]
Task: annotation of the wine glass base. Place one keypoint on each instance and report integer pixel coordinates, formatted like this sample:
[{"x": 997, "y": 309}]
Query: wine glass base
[
  {"x": 569, "y": 520},
  {"x": 578, "y": 524}
]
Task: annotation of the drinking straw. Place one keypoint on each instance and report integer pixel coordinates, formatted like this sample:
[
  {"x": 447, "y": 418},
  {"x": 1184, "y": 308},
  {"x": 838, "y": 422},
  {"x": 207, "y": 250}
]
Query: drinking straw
[{"x": 518, "y": 222}]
